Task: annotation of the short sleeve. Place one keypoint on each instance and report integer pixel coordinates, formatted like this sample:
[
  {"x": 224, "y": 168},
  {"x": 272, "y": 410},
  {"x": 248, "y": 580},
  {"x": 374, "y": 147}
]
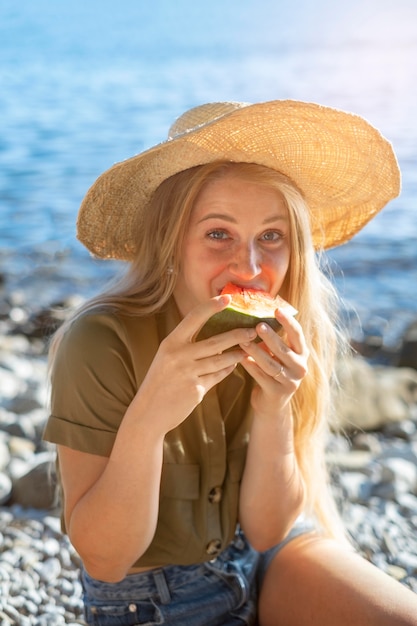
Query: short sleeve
[{"x": 92, "y": 385}]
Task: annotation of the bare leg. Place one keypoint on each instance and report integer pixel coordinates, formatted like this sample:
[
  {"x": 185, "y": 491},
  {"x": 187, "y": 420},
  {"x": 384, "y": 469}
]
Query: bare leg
[{"x": 315, "y": 581}]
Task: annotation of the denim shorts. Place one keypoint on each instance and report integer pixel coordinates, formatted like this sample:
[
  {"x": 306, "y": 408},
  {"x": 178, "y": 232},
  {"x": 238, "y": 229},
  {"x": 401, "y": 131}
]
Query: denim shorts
[{"x": 223, "y": 591}]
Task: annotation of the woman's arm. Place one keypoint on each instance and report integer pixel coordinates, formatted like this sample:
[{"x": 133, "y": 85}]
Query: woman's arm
[
  {"x": 272, "y": 490},
  {"x": 111, "y": 505}
]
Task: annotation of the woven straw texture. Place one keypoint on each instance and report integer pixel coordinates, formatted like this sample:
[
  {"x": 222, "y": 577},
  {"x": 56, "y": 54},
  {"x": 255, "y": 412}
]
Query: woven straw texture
[{"x": 346, "y": 170}]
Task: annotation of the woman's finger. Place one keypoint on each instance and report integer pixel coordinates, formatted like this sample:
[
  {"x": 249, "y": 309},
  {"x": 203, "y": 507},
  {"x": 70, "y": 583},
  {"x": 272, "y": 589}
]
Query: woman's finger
[
  {"x": 294, "y": 332},
  {"x": 218, "y": 362},
  {"x": 189, "y": 327}
]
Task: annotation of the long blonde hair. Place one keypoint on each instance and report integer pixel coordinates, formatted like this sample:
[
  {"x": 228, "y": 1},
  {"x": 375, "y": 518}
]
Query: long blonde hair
[{"x": 150, "y": 280}]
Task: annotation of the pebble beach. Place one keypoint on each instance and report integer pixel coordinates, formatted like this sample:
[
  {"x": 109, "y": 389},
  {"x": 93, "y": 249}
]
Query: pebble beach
[
  {"x": 374, "y": 473},
  {"x": 38, "y": 567}
]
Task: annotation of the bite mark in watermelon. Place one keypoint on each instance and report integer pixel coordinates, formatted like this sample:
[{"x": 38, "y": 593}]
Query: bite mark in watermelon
[{"x": 247, "y": 308}]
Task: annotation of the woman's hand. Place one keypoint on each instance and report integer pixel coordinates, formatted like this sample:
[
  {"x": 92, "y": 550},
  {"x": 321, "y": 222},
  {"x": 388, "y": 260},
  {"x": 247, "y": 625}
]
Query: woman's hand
[
  {"x": 277, "y": 366},
  {"x": 184, "y": 370}
]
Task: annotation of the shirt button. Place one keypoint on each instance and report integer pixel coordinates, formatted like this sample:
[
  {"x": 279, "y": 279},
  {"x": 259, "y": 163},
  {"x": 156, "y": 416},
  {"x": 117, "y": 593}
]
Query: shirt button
[
  {"x": 215, "y": 495},
  {"x": 213, "y": 547},
  {"x": 132, "y": 608}
]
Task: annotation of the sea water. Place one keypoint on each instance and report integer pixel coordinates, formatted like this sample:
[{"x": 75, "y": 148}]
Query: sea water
[{"x": 86, "y": 84}]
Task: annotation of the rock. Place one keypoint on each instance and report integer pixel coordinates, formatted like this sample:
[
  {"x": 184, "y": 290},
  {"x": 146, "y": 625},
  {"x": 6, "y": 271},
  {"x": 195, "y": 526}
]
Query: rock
[
  {"x": 408, "y": 504},
  {"x": 408, "y": 561},
  {"x": 4, "y": 451},
  {"x": 5, "y": 488},
  {"x": 371, "y": 397},
  {"x": 396, "y": 572},
  {"x": 10, "y": 385},
  {"x": 357, "y": 486},
  {"x": 401, "y": 473},
  {"x": 405, "y": 429},
  {"x": 20, "y": 428},
  {"x": 399, "y": 450},
  {"x": 367, "y": 442},
  {"x": 48, "y": 570},
  {"x": 408, "y": 351},
  {"x": 21, "y": 448},
  {"x": 23, "y": 403},
  {"x": 397, "y": 392},
  {"x": 10, "y": 344},
  {"x": 36, "y": 488},
  {"x": 354, "y": 460}
]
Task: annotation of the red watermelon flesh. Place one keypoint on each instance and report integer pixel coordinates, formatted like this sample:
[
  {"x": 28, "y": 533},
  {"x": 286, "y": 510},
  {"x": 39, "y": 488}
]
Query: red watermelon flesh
[{"x": 255, "y": 301}]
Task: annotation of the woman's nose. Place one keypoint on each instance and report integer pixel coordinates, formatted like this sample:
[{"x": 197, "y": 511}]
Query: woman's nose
[{"x": 246, "y": 263}]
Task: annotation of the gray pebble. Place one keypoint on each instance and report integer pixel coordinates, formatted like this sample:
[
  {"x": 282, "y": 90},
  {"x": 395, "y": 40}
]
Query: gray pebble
[
  {"x": 5, "y": 488},
  {"x": 48, "y": 570},
  {"x": 408, "y": 504}
]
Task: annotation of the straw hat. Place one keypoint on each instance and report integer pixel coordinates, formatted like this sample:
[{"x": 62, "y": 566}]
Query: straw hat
[{"x": 344, "y": 167}]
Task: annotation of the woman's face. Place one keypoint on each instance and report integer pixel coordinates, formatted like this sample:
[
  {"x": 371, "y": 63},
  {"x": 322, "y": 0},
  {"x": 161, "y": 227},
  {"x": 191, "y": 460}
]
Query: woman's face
[{"x": 238, "y": 233}]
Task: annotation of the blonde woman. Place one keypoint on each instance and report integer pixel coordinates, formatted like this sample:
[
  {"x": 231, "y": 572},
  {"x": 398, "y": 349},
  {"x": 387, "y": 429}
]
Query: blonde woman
[{"x": 192, "y": 471}]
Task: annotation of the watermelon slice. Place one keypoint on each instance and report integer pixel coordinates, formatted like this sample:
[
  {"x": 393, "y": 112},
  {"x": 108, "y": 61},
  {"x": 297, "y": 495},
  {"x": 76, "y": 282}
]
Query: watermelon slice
[{"x": 248, "y": 308}]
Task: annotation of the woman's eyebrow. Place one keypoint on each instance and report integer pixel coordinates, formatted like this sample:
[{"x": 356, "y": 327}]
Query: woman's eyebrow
[
  {"x": 279, "y": 217},
  {"x": 218, "y": 216}
]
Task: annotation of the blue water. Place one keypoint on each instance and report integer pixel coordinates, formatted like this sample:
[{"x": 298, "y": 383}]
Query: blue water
[{"x": 85, "y": 84}]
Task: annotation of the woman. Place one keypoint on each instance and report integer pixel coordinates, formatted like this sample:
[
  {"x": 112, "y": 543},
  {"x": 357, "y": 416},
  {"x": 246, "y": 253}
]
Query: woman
[{"x": 193, "y": 475}]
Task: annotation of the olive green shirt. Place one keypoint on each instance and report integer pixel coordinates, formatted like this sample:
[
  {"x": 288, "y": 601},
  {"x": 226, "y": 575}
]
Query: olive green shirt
[{"x": 99, "y": 367}]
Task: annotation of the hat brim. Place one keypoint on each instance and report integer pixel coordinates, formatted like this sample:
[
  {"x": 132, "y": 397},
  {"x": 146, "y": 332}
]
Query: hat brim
[{"x": 345, "y": 168}]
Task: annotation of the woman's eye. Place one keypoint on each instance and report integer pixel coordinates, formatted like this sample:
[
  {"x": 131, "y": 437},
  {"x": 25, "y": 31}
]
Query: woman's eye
[
  {"x": 272, "y": 235},
  {"x": 217, "y": 234}
]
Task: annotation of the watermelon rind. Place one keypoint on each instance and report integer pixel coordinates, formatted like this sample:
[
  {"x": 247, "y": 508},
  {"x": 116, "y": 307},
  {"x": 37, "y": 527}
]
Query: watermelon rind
[{"x": 229, "y": 319}]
